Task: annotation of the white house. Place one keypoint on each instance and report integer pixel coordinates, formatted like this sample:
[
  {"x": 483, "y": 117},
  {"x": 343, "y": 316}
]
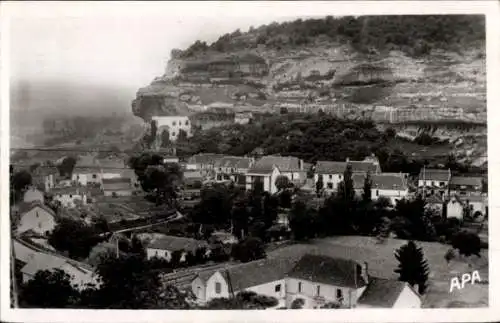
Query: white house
[
  {"x": 202, "y": 162},
  {"x": 388, "y": 293},
  {"x": 263, "y": 175},
  {"x": 319, "y": 280},
  {"x": 117, "y": 186},
  {"x": 434, "y": 181},
  {"x": 265, "y": 276},
  {"x": 392, "y": 186},
  {"x": 228, "y": 167},
  {"x": 70, "y": 196},
  {"x": 315, "y": 279},
  {"x": 164, "y": 247},
  {"x": 456, "y": 205},
  {"x": 268, "y": 168},
  {"x": 332, "y": 172},
  {"x": 173, "y": 124},
  {"x": 86, "y": 171},
  {"x": 466, "y": 186},
  {"x": 36, "y": 217},
  {"x": 33, "y": 195}
]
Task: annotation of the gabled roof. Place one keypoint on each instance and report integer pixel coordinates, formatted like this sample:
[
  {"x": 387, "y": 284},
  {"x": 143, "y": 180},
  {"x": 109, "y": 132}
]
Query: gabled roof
[
  {"x": 172, "y": 243},
  {"x": 435, "y": 174},
  {"x": 383, "y": 292},
  {"x": 234, "y": 162},
  {"x": 336, "y": 167},
  {"x": 41, "y": 261},
  {"x": 383, "y": 181},
  {"x": 266, "y": 164},
  {"x": 332, "y": 271},
  {"x": 254, "y": 273},
  {"x": 26, "y": 207},
  {"x": 469, "y": 181},
  {"x": 204, "y": 158},
  {"x": 73, "y": 190}
]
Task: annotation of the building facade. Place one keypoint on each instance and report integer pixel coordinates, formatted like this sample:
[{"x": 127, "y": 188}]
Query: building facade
[{"x": 173, "y": 124}]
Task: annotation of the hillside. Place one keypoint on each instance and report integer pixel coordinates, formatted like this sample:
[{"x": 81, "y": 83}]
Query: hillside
[{"x": 393, "y": 70}]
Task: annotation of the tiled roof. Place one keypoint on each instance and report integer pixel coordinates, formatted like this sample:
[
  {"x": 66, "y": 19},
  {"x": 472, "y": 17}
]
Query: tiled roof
[
  {"x": 111, "y": 164},
  {"x": 382, "y": 292},
  {"x": 25, "y": 207},
  {"x": 114, "y": 184},
  {"x": 254, "y": 273},
  {"x": 471, "y": 198},
  {"x": 74, "y": 190},
  {"x": 204, "y": 158},
  {"x": 234, "y": 162},
  {"x": 284, "y": 164},
  {"x": 469, "y": 181},
  {"x": 383, "y": 181},
  {"x": 434, "y": 174},
  {"x": 332, "y": 271},
  {"x": 172, "y": 243},
  {"x": 41, "y": 261},
  {"x": 336, "y": 167}
]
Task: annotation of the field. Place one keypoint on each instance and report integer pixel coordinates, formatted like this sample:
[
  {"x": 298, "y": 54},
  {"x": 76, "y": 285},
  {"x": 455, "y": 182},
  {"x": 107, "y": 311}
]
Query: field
[{"x": 381, "y": 263}]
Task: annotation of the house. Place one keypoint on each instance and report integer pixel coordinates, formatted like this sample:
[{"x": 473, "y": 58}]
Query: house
[
  {"x": 265, "y": 276},
  {"x": 223, "y": 237},
  {"x": 202, "y": 162},
  {"x": 79, "y": 275},
  {"x": 315, "y": 279},
  {"x": 242, "y": 117},
  {"x": 32, "y": 195},
  {"x": 173, "y": 124},
  {"x": 227, "y": 167},
  {"x": 457, "y": 205},
  {"x": 392, "y": 186},
  {"x": 193, "y": 179},
  {"x": 332, "y": 172},
  {"x": 87, "y": 171},
  {"x": 70, "y": 196},
  {"x": 465, "y": 186},
  {"x": 388, "y": 293},
  {"x": 319, "y": 280},
  {"x": 268, "y": 168},
  {"x": 434, "y": 181},
  {"x": 37, "y": 217},
  {"x": 44, "y": 177},
  {"x": 117, "y": 186},
  {"x": 111, "y": 167},
  {"x": 165, "y": 246}
]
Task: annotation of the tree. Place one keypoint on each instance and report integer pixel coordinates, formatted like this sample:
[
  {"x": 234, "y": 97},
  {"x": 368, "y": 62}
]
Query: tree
[
  {"x": 73, "y": 237},
  {"x": 319, "y": 185},
  {"x": 249, "y": 249},
  {"x": 367, "y": 189},
  {"x": 242, "y": 300},
  {"x": 67, "y": 165},
  {"x": 131, "y": 282},
  {"x": 50, "y": 289},
  {"x": 346, "y": 187},
  {"x": 467, "y": 243},
  {"x": 282, "y": 182},
  {"x": 297, "y": 303},
  {"x": 182, "y": 137},
  {"x": 413, "y": 267},
  {"x": 19, "y": 183},
  {"x": 301, "y": 221}
]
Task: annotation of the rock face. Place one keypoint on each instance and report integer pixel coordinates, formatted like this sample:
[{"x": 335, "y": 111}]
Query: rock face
[{"x": 327, "y": 73}]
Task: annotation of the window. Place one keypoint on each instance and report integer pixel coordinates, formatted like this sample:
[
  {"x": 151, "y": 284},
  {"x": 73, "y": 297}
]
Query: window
[
  {"x": 340, "y": 176},
  {"x": 339, "y": 293},
  {"x": 187, "y": 122},
  {"x": 441, "y": 183},
  {"x": 173, "y": 134},
  {"x": 70, "y": 196},
  {"x": 37, "y": 214},
  {"x": 376, "y": 193},
  {"x": 330, "y": 176},
  {"x": 174, "y": 123},
  {"x": 77, "y": 176},
  {"x": 94, "y": 176},
  {"x": 300, "y": 287},
  {"x": 329, "y": 186},
  {"x": 277, "y": 288},
  {"x": 318, "y": 290},
  {"x": 217, "y": 288}
]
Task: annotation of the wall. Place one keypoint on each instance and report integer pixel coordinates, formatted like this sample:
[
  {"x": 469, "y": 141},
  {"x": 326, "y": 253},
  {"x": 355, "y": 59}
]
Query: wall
[
  {"x": 269, "y": 290},
  {"x": 68, "y": 200},
  {"x": 309, "y": 289},
  {"x": 86, "y": 178},
  {"x": 199, "y": 289},
  {"x": 454, "y": 209},
  {"x": 32, "y": 195},
  {"x": 118, "y": 193},
  {"x": 432, "y": 183},
  {"x": 392, "y": 195},
  {"x": 159, "y": 253},
  {"x": 174, "y": 125},
  {"x": 210, "y": 287},
  {"x": 38, "y": 220},
  {"x": 408, "y": 299}
]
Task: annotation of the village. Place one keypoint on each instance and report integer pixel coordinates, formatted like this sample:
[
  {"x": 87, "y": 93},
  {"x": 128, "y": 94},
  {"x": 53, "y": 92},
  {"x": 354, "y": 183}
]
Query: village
[{"x": 203, "y": 261}]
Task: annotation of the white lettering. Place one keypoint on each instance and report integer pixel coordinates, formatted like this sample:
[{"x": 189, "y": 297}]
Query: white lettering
[
  {"x": 454, "y": 283},
  {"x": 475, "y": 277},
  {"x": 465, "y": 279}
]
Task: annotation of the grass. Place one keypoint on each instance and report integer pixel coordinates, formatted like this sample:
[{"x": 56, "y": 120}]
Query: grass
[{"x": 381, "y": 263}]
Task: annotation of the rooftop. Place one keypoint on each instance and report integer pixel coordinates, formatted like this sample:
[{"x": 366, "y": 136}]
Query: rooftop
[
  {"x": 113, "y": 184},
  {"x": 383, "y": 181},
  {"x": 234, "y": 162},
  {"x": 435, "y": 174},
  {"x": 204, "y": 158},
  {"x": 283, "y": 163},
  {"x": 468, "y": 181},
  {"x": 336, "y": 167},
  {"x": 327, "y": 270},
  {"x": 173, "y": 243},
  {"x": 382, "y": 292}
]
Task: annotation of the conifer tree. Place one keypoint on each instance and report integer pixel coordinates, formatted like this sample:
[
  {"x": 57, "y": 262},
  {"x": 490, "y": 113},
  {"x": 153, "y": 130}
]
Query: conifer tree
[
  {"x": 413, "y": 267},
  {"x": 367, "y": 189}
]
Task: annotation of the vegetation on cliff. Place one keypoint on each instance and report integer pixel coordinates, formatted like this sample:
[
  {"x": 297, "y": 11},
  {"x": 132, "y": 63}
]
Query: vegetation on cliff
[{"x": 415, "y": 35}]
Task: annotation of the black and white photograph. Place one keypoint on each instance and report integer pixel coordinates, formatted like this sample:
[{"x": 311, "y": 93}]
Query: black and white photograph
[{"x": 187, "y": 159}]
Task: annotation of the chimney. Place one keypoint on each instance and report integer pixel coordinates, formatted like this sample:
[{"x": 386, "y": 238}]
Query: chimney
[{"x": 364, "y": 272}]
